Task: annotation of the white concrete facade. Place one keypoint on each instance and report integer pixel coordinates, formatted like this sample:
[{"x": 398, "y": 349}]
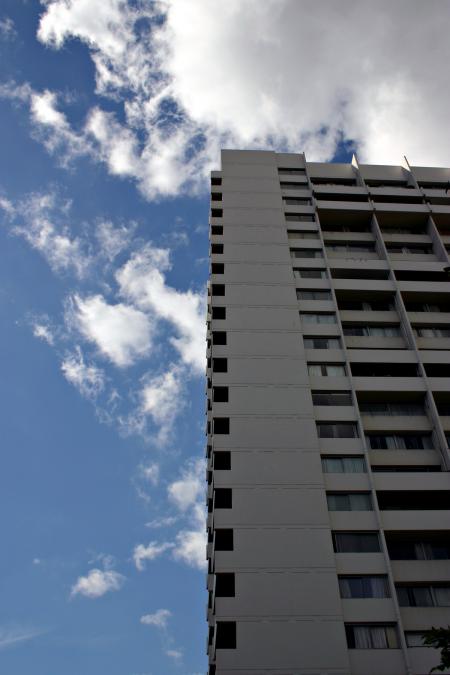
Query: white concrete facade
[{"x": 328, "y": 415}]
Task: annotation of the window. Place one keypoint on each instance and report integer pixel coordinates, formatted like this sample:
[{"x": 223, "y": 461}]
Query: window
[
  {"x": 296, "y": 234},
  {"x": 299, "y": 217},
  {"x": 344, "y": 464},
  {"x": 217, "y": 268},
  {"x": 294, "y": 201},
  {"x": 291, "y": 172},
  {"x": 216, "y": 229},
  {"x": 431, "y": 332},
  {"x": 223, "y": 498},
  {"x": 332, "y": 398},
  {"x": 350, "y": 248},
  {"x": 313, "y": 295},
  {"x": 216, "y": 248},
  {"x": 293, "y": 186},
  {"x": 423, "y": 595},
  {"x": 364, "y": 587},
  {"x": 306, "y": 253},
  {"x": 219, "y": 337},
  {"x": 371, "y": 331},
  {"x": 216, "y": 213},
  {"x": 356, "y": 542},
  {"x": 223, "y": 540},
  {"x": 409, "y": 249},
  {"x": 392, "y": 409},
  {"x": 416, "y": 546},
  {"x": 371, "y": 636},
  {"x": 414, "y": 500},
  {"x": 326, "y": 369},
  {"x": 322, "y": 343},
  {"x": 310, "y": 274},
  {"x": 414, "y": 638},
  {"x": 222, "y": 460},
  {"x": 405, "y": 468},
  {"x": 312, "y": 317},
  {"x": 220, "y": 394},
  {"x": 216, "y": 180},
  {"x": 349, "y": 501},
  {"x": 216, "y": 196},
  {"x": 366, "y": 306},
  {"x": 219, "y": 312},
  {"x": 220, "y": 365},
  {"x": 225, "y": 585},
  {"x": 399, "y": 441},
  {"x": 226, "y": 635},
  {"x": 221, "y": 425},
  {"x": 337, "y": 430}
]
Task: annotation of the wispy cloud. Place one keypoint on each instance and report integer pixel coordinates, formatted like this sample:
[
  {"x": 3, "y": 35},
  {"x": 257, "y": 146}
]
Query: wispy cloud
[
  {"x": 13, "y": 636},
  {"x": 87, "y": 378},
  {"x": 7, "y": 29},
  {"x": 143, "y": 553},
  {"x": 158, "y": 619}
]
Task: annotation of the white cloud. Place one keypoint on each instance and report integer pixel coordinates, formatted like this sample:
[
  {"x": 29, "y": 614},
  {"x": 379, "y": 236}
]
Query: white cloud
[
  {"x": 122, "y": 333},
  {"x": 88, "y": 379},
  {"x": 158, "y": 619},
  {"x": 190, "y": 548},
  {"x": 187, "y": 490},
  {"x": 113, "y": 240},
  {"x": 7, "y": 206},
  {"x": 152, "y": 551},
  {"x": 142, "y": 281},
  {"x": 10, "y": 637},
  {"x": 180, "y": 106},
  {"x": 43, "y": 332},
  {"x": 162, "y": 401},
  {"x": 98, "y": 582}
]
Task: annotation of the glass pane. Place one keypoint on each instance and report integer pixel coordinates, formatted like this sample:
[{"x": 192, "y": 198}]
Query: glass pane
[{"x": 442, "y": 595}]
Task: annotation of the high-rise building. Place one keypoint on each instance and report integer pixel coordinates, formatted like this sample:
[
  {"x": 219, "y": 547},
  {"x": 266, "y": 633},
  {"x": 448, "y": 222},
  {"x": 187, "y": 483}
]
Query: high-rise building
[{"x": 328, "y": 416}]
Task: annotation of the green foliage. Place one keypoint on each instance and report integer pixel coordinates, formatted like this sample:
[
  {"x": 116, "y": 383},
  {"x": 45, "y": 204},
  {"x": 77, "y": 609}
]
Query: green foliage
[{"x": 439, "y": 638}]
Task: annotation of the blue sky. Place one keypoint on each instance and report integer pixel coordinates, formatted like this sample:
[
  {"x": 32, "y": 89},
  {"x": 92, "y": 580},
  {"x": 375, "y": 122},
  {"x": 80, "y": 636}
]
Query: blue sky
[{"x": 112, "y": 114}]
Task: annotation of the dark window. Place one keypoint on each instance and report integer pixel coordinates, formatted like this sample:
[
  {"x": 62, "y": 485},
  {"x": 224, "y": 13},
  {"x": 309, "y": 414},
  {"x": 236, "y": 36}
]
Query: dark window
[
  {"x": 220, "y": 365},
  {"x": 225, "y": 585},
  {"x": 343, "y": 464},
  {"x": 306, "y": 253},
  {"x": 222, "y": 460},
  {"x": 220, "y": 394},
  {"x": 371, "y": 636},
  {"x": 217, "y": 268},
  {"x": 219, "y": 312},
  {"x": 215, "y": 180},
  {"x": 292, "y": 172},
  {"x": 219, "y": 337},
  {"x": 216, "y": 248},
  {"x": 349, "y": 501},
  {"x": 299, "y": 217},
  {"x": 293, "y": 186},
  {"x": 223, "y": 498},
  {"x": 364, "y": 587},
  {"x": 216, "y": 196},
  {"x": 221, "y": 425},
  {"x": 216, "y": 229},
  {"x": 405, "y": 468},
  {"x": 218, "y": 289},
  {"x": 216, "y": 213},
  {"x": 294, "y": 201},
  {"x": 356, "y": 542},
  {"x": 399, "y": 441},
  {"x": 414, "y": 500},
  {"x": 226, "y": 635},
  {"x": 417, "y": 546},
  {"x": 313, "y": 295},
  {"x": 423, "y": 595},
  {"x": 332, "y": 398},
  {"x": 224, "y": 540},
  {"x": 337, "y": 430},
  {"x": 322, "y": 343},
  {"x": 310, "y": 273}
]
